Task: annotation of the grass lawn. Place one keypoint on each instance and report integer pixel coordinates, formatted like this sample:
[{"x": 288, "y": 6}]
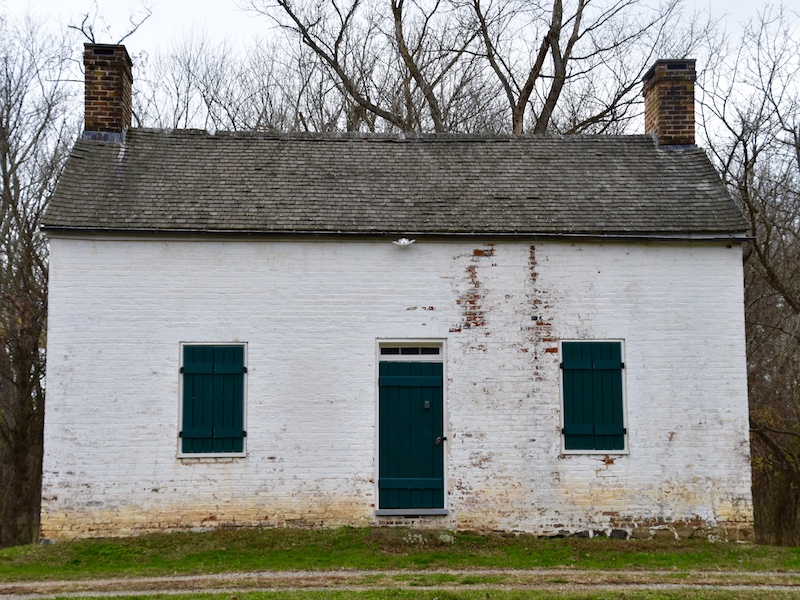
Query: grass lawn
[
  {"x": 475, "y": 595},
  {"x": 376, "y": 549}
]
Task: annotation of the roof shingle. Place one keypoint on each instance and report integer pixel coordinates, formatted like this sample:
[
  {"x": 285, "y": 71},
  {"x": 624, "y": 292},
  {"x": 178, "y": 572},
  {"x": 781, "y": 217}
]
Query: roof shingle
[{"x": 192, "y": 181}]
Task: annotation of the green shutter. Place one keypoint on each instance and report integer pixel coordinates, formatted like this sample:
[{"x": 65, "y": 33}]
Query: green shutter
[
  {"x": 213, "y": 399},
  {"x": 593, "y": 418}
]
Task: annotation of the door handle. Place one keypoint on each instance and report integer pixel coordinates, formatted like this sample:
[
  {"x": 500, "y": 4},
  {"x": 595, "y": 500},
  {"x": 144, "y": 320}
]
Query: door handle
[{"x": 439, "y": 440}]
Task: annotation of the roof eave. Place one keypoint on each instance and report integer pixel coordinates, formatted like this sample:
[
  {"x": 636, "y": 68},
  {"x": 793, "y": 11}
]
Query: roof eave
[{"x": 730, "y": 237}]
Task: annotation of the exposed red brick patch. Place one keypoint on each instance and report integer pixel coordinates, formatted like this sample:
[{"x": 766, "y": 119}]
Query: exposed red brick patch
[
  {"x": 532, "y": 264},
  {"x": 472, "y": 301}
]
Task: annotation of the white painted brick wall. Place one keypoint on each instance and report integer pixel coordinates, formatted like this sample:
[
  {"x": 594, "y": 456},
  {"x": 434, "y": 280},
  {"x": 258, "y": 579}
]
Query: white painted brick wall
[{"x": 310, "y": 314}]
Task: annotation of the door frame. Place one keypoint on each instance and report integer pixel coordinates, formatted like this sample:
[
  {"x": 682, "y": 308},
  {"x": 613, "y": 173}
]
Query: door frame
[{"x": 440, "y": 358}]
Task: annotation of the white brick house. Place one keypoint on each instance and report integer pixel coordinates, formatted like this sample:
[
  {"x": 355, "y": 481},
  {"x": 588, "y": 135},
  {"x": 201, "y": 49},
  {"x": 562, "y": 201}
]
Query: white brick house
[{"x": 235, "y": 336}]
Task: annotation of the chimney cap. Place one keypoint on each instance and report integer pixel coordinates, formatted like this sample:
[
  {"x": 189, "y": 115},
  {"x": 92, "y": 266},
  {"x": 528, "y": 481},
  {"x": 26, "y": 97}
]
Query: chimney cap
[
  {"x": 107, "y": 50},
  {"x": 670, "y": 64}
]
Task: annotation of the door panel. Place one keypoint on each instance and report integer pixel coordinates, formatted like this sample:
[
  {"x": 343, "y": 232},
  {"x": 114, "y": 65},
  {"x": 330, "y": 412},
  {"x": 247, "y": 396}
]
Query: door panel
[{"x": 411, "y": 463}]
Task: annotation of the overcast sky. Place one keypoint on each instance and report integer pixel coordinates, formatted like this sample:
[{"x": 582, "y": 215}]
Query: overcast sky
[{"x": 222, "y": 19}]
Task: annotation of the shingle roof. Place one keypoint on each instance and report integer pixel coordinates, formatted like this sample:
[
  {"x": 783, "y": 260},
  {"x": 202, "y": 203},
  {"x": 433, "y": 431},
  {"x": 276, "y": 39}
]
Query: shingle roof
[{"x": 192, "y": 181}]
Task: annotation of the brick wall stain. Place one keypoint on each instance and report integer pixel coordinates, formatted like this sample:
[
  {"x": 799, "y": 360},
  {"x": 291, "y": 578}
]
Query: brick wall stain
[
  {"x": 470, "y": 300},
  {"x": 540, "y": 328},
  {"x": 113, "y": 386}
]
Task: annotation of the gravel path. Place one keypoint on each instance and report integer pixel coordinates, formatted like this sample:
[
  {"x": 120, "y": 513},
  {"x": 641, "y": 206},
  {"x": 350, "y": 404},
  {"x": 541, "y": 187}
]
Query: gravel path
[{"x": 506, "y": 579}]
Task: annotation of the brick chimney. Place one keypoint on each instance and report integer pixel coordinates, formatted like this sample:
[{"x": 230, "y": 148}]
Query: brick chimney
[
  {"x": 108, "y": 92},
  {"x": 669, "y": 102}
]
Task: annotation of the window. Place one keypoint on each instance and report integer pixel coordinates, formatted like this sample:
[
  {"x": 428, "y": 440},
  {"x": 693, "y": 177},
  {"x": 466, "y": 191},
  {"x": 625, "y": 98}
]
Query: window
[
  {"x": 410, "y": 350},
  {"x": 592, "y": 387},
  {"x": 212, "y": 409}
]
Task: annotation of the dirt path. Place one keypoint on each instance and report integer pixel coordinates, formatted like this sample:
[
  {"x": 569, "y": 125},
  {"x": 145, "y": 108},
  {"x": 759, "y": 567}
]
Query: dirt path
[{"x": 554, "y": 579}]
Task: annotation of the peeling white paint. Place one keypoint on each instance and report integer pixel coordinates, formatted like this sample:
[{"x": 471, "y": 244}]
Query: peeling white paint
[{"x": 310, "y": 313}]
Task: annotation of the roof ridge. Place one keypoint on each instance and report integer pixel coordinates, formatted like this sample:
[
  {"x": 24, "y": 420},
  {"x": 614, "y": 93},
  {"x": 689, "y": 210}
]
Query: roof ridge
[{"x": 389, "y": 137}]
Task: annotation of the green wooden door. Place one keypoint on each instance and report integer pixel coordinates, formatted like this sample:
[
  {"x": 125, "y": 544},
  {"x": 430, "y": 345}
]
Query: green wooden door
[{"x": 411, "y": 462}]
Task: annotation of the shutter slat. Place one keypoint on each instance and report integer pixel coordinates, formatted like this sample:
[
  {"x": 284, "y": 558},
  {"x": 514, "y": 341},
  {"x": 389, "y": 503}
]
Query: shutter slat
[
  {"x": 606, "y": 363},
  {"x": 577, "y": 363},
  {"x": 231, "y": 368},
  {"x": 409, "y": 483},
  {"x": 573, "y": 429},
  {"x": 228, "y": 432},
  {"x": 198, "y": 368},
  {"x": 197, "y": 432},
  {"x": 410, "y": 381},
  {"x": 615, "y": 429}
]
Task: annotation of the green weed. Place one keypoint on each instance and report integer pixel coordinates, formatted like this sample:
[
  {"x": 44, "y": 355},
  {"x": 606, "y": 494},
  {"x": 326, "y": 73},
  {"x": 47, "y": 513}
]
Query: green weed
[
  {"x": 374, "y": 549},
  {"x": 682, "y": 594}
]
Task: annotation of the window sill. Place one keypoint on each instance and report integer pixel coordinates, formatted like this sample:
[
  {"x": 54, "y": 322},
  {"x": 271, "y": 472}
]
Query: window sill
[
  {"x": 594, "y": 453},
  {"x": 226, "y": 456},
  {"x": 411, "y": 512}
]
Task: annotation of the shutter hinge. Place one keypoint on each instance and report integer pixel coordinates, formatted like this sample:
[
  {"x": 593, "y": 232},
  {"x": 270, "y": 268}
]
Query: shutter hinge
[
  {"x": 563, "y": 431},
  {"x": 180, "y": 434},
  {"x": 561, "y": 365},
  {"x": 181, "y": 369},
  {"x": 244, "y": 369},
  {"x": 244, "y": 434},
  {"x": 624, "y": 431},
  {"x": 622, "y": 365}
]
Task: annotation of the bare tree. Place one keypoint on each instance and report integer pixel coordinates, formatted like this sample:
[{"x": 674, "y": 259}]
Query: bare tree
[
  {"x": 577, "y": 65},
  {"x": 751, "y": 115},
  {"x": 197, "y": 84},
  {"x": 166, "y": 88},
  {"x": 88, "y": 26},
  {"x": 36, "y": 128},
  {"x": 254, "y": 91},
  {"x": 404, "y": 65}
]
